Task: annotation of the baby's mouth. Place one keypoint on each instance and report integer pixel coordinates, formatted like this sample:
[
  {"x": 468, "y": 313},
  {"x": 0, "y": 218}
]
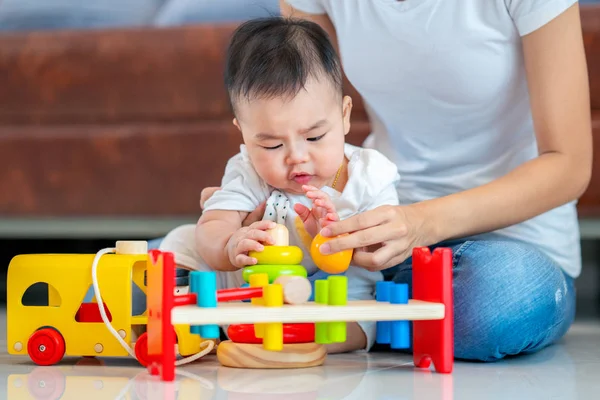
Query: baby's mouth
[{"x": 302, "y": 178}]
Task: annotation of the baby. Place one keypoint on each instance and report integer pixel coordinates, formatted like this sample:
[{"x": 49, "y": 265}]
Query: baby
[{"x": 284, "y": 82}]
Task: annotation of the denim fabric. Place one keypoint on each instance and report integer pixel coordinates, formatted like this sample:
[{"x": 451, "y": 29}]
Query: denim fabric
[{"x": 509, "y": 299}]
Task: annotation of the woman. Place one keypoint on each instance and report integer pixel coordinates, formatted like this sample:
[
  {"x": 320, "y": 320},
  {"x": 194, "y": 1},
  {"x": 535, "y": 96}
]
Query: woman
[{"x": 484, "y": 107}]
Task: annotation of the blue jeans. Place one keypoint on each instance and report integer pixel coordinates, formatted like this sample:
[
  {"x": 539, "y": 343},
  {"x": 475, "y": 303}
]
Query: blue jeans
[{"x": 509, "y": 299}]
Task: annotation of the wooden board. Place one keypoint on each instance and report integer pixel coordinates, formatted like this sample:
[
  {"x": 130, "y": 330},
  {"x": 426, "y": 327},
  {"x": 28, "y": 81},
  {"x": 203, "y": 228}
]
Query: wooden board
[{"x": 362, "y": 310}]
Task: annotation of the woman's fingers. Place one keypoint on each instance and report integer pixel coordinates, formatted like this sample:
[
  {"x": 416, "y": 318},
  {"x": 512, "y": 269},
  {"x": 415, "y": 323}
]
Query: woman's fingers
[
  {"x": 362, "y": 238},
  {"x": 387, "y": 256},
  {"x": 358, "y": 222}
]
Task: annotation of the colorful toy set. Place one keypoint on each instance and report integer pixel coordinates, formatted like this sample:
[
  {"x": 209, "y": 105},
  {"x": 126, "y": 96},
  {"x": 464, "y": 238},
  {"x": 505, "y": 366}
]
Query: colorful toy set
[
  {"x": 271, "y": 322},
  {"x": 69, "y": 322}
]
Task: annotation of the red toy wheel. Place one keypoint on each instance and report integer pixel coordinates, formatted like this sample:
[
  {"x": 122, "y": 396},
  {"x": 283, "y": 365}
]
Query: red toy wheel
[
  {"x": 292, "y": 333},
  {"x": 141, "y": 349},
  {"x": 46, "y": 346}
]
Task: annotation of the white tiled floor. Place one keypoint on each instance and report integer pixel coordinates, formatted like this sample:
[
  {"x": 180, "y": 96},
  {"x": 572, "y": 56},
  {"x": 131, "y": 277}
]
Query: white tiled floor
[{"x": 568, "y": 370}]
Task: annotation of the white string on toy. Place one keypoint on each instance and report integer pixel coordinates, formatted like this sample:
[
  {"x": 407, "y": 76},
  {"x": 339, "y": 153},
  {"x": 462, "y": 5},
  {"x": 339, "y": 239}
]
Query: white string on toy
[{"x": 208, "y": 344}]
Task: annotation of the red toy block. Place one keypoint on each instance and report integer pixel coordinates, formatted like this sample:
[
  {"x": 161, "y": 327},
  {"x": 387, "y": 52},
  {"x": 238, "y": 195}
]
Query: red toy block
[
  {"x": 432, "y": 281},
  {"x": 89, "y": 312},
  {"x": 292, "y": 333},
  {"x": 161, "y": 300},
  {"x": 235, "y": 294}
]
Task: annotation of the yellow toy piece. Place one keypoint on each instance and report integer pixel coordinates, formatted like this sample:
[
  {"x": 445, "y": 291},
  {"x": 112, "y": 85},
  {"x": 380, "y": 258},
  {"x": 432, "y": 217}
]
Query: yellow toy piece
[
  {"x": 273, "y": 332},
  {"x": 68, "y": 324},
  {"x": 335, "y": 263},
  {"x": 278, "y": 255}
]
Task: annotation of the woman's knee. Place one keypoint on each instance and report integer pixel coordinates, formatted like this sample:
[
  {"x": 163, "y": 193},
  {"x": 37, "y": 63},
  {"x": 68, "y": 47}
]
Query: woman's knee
[{"x": 509, "y": 298}]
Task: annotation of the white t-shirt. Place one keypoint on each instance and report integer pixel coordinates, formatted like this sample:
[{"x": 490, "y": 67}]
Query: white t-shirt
[
  {"x": 372, "y": 182},
  {"x": 445, "y": 88}
]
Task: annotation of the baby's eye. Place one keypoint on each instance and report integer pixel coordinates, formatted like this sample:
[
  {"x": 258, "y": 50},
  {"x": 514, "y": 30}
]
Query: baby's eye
[
  {"x": 314, "y": 139},
  {"x": 272, "y": 148}
]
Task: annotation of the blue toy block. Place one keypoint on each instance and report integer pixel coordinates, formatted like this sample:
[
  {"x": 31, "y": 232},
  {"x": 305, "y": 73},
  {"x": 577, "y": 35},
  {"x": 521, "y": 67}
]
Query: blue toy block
[
  {"x": 400, "y": 331},
  {"x": 245, "y": 285},
  {"x": 382, "y": 294},
  {"x": 204, "y": 284}
]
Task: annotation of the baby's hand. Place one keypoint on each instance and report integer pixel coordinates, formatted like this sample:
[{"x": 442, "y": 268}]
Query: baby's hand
[
  {"x": 322, "y": 213},
  {"x": 248, "y": 239}
]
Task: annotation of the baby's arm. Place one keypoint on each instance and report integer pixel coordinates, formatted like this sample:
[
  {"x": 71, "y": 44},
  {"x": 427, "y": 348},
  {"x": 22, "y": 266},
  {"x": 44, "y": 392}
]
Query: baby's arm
[{"x": 224, "y": 244}]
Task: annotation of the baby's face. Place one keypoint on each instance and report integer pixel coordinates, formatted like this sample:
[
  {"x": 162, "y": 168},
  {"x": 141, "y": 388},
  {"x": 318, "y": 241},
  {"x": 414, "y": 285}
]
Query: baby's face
[{"x": 296, "y": 141}]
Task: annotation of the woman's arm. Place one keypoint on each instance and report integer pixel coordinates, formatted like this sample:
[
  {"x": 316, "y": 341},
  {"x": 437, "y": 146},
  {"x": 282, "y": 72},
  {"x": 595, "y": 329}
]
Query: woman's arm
[
  {"x": 559, "y": 95},
  {"x": 558, "y": 85}
]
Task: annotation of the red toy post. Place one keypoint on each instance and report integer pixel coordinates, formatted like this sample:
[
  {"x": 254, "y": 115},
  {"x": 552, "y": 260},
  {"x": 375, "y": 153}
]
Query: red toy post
[
  {"x": 432, "y": 281},
  {"x": 161, "y": 299}
]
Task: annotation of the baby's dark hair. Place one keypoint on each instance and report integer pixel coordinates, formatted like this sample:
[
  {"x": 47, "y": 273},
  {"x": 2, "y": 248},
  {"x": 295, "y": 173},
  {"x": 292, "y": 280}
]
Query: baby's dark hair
[{"x": 275, "y": 56}]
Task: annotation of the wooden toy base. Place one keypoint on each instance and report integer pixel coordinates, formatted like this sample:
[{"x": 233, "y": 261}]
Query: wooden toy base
[{"x": 295, "y": 355}]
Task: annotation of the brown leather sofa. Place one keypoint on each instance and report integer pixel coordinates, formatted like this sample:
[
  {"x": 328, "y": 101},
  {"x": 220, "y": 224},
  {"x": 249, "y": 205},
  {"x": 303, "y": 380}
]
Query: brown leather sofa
[{"x": 135, "y": 122}]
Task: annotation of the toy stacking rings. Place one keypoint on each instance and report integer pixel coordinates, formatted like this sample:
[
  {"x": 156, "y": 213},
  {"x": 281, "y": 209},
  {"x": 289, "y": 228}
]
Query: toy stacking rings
[
  {"x": 278, "y": 255},
  {"x": 273, "y": 271}
]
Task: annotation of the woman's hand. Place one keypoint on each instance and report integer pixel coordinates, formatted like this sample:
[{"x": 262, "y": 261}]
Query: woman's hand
[
  {"x": 251, "y": 218},
  {"x": 382, "y": 237},
  {"x": 322, "y": 213}
]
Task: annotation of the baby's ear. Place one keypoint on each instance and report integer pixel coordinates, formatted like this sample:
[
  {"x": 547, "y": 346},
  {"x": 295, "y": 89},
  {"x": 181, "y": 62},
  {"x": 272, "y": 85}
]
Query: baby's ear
[
  {"x": 237, "y": 125},
  {"x": 346, "y": 112}
]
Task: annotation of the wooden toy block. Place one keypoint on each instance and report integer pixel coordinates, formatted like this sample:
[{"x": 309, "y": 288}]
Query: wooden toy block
[
  {"x": 204, "y": 285},
  {"x": 273, "y": 331},
  {"x": 161, "y": 336},
  {"x": 384, "y": 328},
  {"x": 430, "y": 309},
  {"x": 258, "y": 280},
  {"x": 237, "y": 294},
  {"x": 432, "y": 282},
  {"x": 400, "y": 333},
  {"x": 296, "y": 289},
  {"x": 355, "y": 310},
  {"x": 280, "y": 235},
  {"x": 321, "y": 297},
  {"x": 338, "y": 296}
]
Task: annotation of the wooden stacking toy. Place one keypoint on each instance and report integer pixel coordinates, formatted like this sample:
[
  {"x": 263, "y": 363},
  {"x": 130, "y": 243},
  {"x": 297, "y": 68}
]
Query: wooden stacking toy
[{"x": 274, "y": 345}]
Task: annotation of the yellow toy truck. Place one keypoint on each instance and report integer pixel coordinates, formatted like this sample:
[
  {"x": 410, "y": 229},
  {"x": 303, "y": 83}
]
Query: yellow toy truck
[{"x": 70, "y": 322}]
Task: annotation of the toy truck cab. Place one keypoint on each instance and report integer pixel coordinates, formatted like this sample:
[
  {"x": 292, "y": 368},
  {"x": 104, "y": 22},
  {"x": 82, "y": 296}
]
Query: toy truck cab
[{"x": 68, "y": 320}]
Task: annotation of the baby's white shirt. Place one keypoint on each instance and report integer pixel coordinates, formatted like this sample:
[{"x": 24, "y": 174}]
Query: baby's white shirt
[{"x": 372, "y": 182}]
